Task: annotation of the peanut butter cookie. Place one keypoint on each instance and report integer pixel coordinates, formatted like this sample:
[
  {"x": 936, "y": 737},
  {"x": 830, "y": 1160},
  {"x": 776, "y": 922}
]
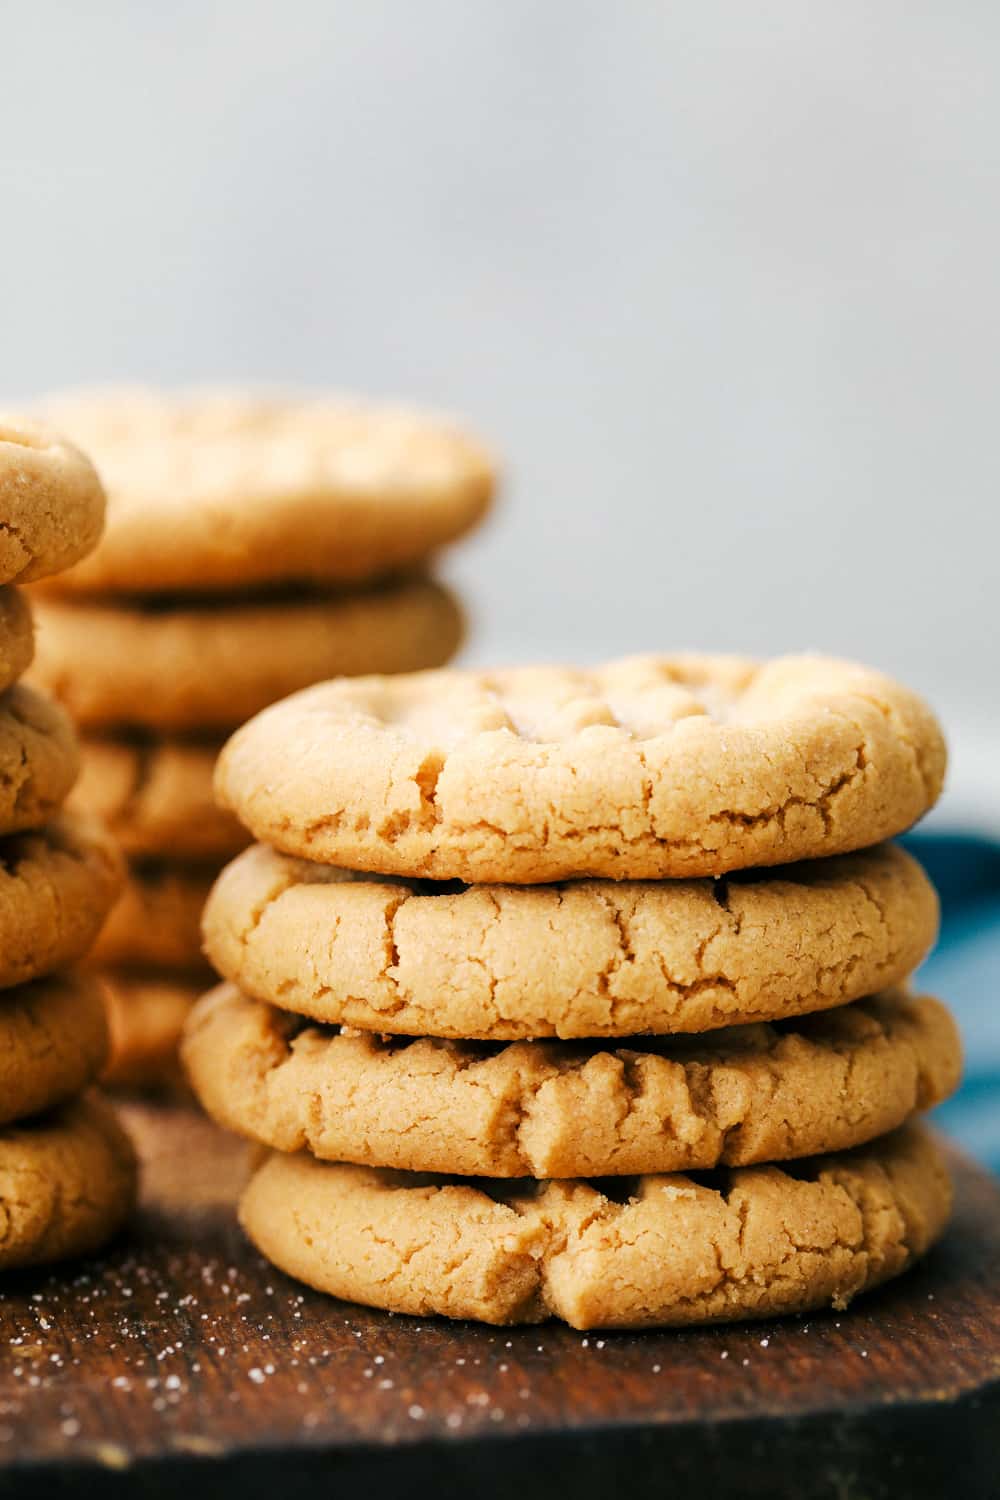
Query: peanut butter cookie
[
  {"x": 215, "y": 490},
  {"x": 67, "y": 1183},
  {"x": 554, "y": 1109},
  {"x": 648, "y": 768},
  {"x": 586, "y": 959},
  {"x": 752, "y": 1242}
]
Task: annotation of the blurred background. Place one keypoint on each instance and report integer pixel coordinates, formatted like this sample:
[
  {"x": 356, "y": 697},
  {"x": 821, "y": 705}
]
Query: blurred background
[{"x": 719, "y": 282}]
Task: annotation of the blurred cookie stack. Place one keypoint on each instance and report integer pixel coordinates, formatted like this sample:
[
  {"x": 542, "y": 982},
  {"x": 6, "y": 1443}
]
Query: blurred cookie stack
[
  {"x": 253, "y": 546},
  {"x": 67, "y": 1170},
  {"x": 679, "y": 1083}
]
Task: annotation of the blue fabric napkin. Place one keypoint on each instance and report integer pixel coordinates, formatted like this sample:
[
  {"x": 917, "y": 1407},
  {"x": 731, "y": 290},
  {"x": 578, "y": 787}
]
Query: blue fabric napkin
[{"x": 964, "y": 970}]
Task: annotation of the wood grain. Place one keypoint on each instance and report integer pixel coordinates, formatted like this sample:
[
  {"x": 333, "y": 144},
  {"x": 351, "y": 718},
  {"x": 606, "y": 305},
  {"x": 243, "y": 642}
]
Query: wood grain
[{"x": 181, "y": 1359}]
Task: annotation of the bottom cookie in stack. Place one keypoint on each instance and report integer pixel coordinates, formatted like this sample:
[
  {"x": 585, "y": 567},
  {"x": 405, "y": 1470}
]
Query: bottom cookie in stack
[
  {"x": 614, "y": 1231},
  {"x": 621, "y": 1253},
  {"x": 67, "y": 1168},
  {"x": 67, "y": 1182}
]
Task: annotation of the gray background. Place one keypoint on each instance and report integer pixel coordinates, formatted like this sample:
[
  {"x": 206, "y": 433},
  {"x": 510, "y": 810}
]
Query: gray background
[{"x": 718, "y": 279}]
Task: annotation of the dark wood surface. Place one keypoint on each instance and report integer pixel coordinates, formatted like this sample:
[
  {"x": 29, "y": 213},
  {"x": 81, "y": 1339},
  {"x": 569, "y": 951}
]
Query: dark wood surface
[{"x": 180, "y": 1360}]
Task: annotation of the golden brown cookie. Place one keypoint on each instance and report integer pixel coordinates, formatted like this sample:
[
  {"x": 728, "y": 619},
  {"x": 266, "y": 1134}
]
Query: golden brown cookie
[
  {"x": 53, "y": 1043},
  {"x": 555, "y": 1109},
  {"x": 146, "y": 1014},
  {"x": 67, "y": 1183},
  {"x": 753, "y": 1242},
  {"x": 57, "y": 886},
  {"x": 17, "y": 638},
  {"x": 157, "y": 921},
  {"x": 213, "y": 665},
  {"x": 216, "y": 490},
  {"x": 155, "y": 795},
  {"x": 587, "y": 959},
  {"x": 51, "y": 502},
  {"x": 39, "y": 758},
  {"x": 651, "y": 767}
]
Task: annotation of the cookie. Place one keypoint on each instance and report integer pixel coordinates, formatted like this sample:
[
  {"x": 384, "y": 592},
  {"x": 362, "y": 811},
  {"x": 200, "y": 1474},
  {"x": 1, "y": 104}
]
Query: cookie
[
  {"x": 155, "y": 795},
  {"x": 652, "y": 767},
  {"x": 67, "y": 1183},
  {"x": 590, "y": 959},
  {"x": 216, "y": 664},
  {"x": 146, "y": 1015},
  {"x": 157, "y": 921},
  {"x": 753, "y": 1242},
  {"x": 51, "y": 502},
  {"x": 555, "y": 1109},
  {"x": 17, "y": 636},
  {"x": 56, "y": 888},
  {"x": 39, "y": 758},
  {"x": 217, "y": 490},
  {"x": 53, "y": 1043}
]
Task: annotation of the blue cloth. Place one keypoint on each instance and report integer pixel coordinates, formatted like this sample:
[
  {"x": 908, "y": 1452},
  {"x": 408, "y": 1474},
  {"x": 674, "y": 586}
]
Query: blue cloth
[{"x": 964, "y": 970}]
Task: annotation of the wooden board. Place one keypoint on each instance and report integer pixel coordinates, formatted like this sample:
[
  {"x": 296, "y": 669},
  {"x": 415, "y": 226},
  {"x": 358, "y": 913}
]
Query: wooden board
[{"x": 182, "y": 1361}]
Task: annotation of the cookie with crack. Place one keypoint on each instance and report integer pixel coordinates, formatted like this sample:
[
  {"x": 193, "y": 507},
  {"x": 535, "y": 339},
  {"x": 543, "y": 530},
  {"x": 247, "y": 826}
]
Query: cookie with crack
[
  {"x": 53, "y": 1043},
  {"x": 585, "y": 959},
  {"x": 554, "y": 1109},
  {"x": 57, "y": 886},
  {"x": 215, "y": 664},
  {"x": 51, "y": 502},
  {"x": 753, "y": 1242},
  {"x": 39, "y": 758},
  {"x": 17, "y": 636},
  {"x": 146, "y": 1014},
  {"x": 67, "y": 1183},
  {"x": 217, "y": 490},
  {"x": 155, "y": 795},
  {"x": 650, "y": 768},
  {"x": 157, "y": 921}
]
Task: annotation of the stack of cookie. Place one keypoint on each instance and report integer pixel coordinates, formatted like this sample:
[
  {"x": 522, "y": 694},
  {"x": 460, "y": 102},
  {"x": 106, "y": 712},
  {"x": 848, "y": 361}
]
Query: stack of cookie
[
  {"x": 627, "y": 1071},
  {"x": 67, "y": 1171},
  {"x": 246, "y": 555}
]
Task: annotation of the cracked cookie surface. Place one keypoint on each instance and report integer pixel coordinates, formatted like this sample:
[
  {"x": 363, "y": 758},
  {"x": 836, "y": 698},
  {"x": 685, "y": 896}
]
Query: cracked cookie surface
[
  {"x": 67, "y": 1183},
  {"x": 53, "y": 1043},
  {"x": 39, "y": 758},
  {"x": 648, "y": 768},
  {"x": 662, "y": 1250},
  {"x": 216, "y": 664},
  {"x": 587, "y": 959},
  {"x": 155, "y": 795},
  {"x": 157, "y": 921},
  {"x": 216, "y": 489},
  {"x": 51, "y": 502},
  {"x": 57, "y": 886},
  {"x": 554, "y": 1109}
]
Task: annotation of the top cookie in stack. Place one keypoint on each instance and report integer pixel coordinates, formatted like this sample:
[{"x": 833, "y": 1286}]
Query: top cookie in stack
[
  {"x": 754, "y": 1013},
  {"x": 67, "y": 1172},
  {"x": 647, "y": 769},
  {"x": 253, "y": 546}
]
